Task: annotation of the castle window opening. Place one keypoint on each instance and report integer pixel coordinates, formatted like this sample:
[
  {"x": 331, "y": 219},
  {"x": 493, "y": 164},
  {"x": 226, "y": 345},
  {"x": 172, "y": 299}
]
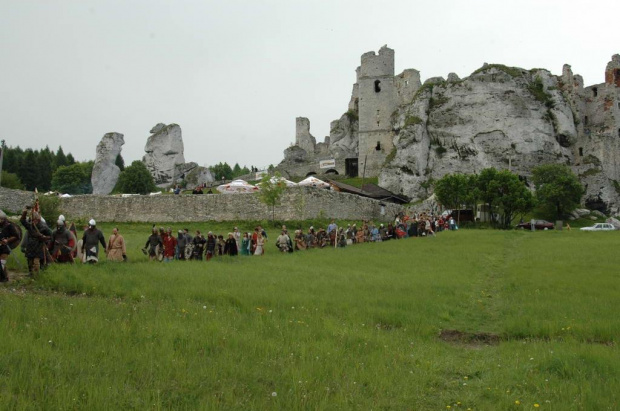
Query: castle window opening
[
  {"x": 406, "y": 82},
  {"x": 617, "y": 72},
  {"x": 585, "y": 121},
  {"x": 581, "y": 151},
  {"x": 594, "y": 91},
  {"x": 378, "y": 147},
  {"x": 377, "y": 86},
  {"x": 619, "y": 132}
]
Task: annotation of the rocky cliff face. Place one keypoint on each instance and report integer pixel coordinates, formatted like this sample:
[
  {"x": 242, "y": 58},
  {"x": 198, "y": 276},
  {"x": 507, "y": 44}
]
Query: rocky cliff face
[
  {"x": 164, "y": 155},
  {"x": 507, "y": 118},
  {"x": 105, "y": 172}
]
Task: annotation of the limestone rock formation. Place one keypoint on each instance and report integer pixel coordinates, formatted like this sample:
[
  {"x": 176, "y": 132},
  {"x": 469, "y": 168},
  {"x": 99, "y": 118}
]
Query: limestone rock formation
[
  {"x": 508, "y": 118},
  {"x": 164, "y": 155},
  {"x": 411, "y": 134},
  {"x": 198, "y": 176},
  {"x": 105, "y": 172}
]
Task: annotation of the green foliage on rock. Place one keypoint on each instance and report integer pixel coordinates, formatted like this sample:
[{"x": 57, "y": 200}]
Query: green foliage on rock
[
  {"x": 511, "y": 71},
  {"x": 412, "y": 121},
  {"x": 135, "y": 179},
  {"x": 557, "y": 188},
  {"x": 352, "y": 115},
  {"x": 537, "y": 89}
]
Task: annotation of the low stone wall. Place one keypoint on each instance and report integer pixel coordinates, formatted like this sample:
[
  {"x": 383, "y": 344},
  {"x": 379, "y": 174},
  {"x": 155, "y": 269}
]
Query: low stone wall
[
  {"x": 297, "y": 203},
  {"x": 13, "y": 201}
]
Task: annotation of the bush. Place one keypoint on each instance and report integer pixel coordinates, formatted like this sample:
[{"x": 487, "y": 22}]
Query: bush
[
  {"x": 135, "y": 179},
  {"x": 10, "y": 180}
]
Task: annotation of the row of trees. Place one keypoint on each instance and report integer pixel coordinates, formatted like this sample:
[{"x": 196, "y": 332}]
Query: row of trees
[
  {"x": 32, "y": 168},
  {"x": 557, "y": 189},
  {"x": 224, "y": 170},
  {"x": 48, "y": 170}
]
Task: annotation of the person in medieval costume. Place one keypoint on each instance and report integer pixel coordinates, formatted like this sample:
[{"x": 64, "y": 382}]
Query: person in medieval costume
[
  {"x": 283, "y": 242},
  {"x": 300, "y": 240},
  {"x": 170, "y": 245},
  {"x": 63, "y": 243},
  {"x": 90, "y": 242},
  {"x": 230, "y": 246},
  {"x": 116, "y": 247},
  {"x": 36, "y": 246},
  {"x": 9, "y": 238},
  {"x": 245, "y": 244},
  {"x": 211, "y": 243},
  {"x": 153, "y": 245},
  {"x": 199, "y": 242}
]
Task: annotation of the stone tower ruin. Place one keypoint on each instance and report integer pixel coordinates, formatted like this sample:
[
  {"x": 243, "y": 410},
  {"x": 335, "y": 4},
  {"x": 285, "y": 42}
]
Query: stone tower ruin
[{"x": 377, "y": 102}]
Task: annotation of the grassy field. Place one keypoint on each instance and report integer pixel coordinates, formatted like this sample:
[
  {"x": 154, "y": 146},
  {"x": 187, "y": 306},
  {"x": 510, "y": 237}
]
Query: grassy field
[{"x": 473, "y": 319}]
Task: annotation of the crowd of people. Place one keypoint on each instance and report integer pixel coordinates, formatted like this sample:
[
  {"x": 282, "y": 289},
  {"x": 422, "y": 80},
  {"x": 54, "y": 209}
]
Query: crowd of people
[
  {"x": 43, "y": 246},
  {"x": 163, "y": 245}
]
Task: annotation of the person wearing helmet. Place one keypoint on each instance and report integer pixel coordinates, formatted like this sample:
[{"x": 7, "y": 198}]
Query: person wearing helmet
[
  {"x": 8, "y": 235},
  {"x": 36, "y": 246},
  {"x": 90, "y": 242}
]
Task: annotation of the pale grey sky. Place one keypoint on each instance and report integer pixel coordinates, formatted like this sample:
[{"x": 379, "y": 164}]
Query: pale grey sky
[{"x": 235, "y": 74}]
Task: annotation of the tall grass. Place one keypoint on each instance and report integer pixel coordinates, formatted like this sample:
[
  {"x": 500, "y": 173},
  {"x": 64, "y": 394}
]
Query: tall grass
[{"x": 353, "y": 328}]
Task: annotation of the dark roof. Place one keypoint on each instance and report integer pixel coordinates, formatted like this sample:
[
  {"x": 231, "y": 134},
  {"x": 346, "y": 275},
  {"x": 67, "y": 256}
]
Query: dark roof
[{"x": 370, "y": 190}]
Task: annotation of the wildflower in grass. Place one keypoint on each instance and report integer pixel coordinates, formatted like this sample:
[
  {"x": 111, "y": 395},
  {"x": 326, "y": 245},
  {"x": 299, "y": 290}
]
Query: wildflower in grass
[
  {"x": 274, "y": 394},
  {"x": 536, "y": 405},
  {"x": 517, "y": 402}
]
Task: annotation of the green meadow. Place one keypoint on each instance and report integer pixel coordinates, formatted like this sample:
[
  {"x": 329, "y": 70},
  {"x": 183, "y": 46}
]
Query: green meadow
[{"x": 472, "y": 319}]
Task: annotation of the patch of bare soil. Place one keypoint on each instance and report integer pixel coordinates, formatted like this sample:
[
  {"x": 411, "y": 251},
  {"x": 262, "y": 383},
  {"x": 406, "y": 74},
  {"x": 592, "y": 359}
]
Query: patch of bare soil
[{"x": 469, "y": 339}]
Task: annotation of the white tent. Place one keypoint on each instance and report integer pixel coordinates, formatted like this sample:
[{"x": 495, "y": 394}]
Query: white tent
[
  {"x": 237, "y": 186},
  {"x": 313, "y": 182},
  {"x": 281, "y": 181}
]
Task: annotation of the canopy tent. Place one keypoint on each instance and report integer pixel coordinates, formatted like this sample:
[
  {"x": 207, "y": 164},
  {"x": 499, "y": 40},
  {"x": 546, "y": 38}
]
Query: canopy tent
[
  {"x": 313, "y": 182},
  {"x": 237, "y": 186},
  {"x": 281, "y": 181}
]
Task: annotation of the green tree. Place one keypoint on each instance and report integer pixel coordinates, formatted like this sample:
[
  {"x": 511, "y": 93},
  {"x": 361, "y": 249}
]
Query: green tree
[
  {"x": 452, "y": 191},
  {"x": 73, "y": 179},
  {"x": 45, "y": 169},
  {"x": 487, "y": 192},
  {"x": 237, "y": 170},
  {"x": 511, "y": 196},
  {"x": 70, "y": 159},
  {"x": 28, "y": 172},
  {"x": 222, "y": 170},
  {"x": 120, "y": 163},
  {"x": 61, "y": 158},
  {"x": 11, "y": 180},
  {"x": 270, "y": 193},
  {"x": 135, "y": 179},
  {"x": 557, "y": 187}
]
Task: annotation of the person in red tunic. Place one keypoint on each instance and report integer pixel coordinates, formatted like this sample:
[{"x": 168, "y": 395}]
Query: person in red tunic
[{"x": 170, "y": 245}]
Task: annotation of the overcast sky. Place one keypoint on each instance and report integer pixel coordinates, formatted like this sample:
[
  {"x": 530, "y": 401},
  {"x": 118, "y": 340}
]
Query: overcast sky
[{"x": 235, "y": 74}]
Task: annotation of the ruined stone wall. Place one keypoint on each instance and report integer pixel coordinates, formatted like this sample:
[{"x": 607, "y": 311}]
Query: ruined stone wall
[
  {"x": 13, "y": 201},
  {"x": 297, "y": 204}
]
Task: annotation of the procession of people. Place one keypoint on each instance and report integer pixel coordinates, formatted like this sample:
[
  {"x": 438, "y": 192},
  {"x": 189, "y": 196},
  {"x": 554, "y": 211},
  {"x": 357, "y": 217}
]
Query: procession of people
[{"x": 43, "y": 246}]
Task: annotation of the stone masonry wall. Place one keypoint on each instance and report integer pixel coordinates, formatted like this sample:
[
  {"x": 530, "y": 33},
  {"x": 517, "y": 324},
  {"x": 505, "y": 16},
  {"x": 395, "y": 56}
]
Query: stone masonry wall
[
  {"x": 13, "y": 201},
  {"x": 297, "y": 204}
]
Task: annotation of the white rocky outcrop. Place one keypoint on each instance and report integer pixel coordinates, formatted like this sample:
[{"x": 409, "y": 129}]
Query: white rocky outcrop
[
  {"x": 105, "y": 172},
  {"x": 164, "y": 154},
  {"x": 490, "y": 119}
]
